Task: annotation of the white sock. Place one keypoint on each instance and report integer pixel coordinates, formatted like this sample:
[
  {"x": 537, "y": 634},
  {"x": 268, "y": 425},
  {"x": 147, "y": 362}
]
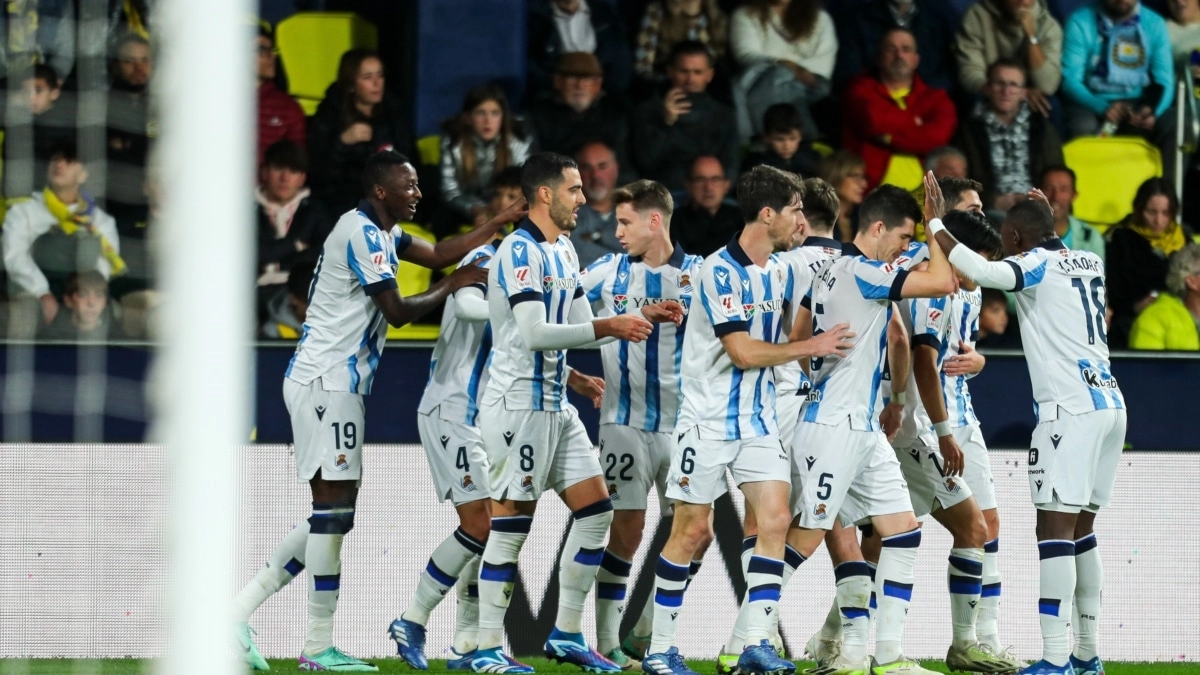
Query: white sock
[
  {"x": 1089, "y": 581},
  {"x": 852, "y": 603},
  {"x": 441, "y": 574},
  {"x": 323, "y": 556},
  {"x": 645, "y": 623},
  {"x": 670, "y": 580},
  {"x": 764, "y": 579},
  {"x": 466, "y": 619},
  {"x": 737, "y": 637},
  {"x": 1057, "y": 584},
  {"x": 497, "y": 574},
  {"x": 964, "y": 575},
  {"x": 832, "y": 628},
  {"x": 792, "y": 560},
  {"x": 286, "y": 561},
  {"x": 893, "y": 590},
  {"x": 580, "y": 561},
  {"x": 612, "y": 583},
  {"x": 987, "y": 622}
]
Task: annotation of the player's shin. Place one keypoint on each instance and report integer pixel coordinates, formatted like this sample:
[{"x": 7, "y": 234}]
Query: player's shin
[
  {"x": 466, "y": 619},
  {"x": 1089, "y": 580},
  {"x": 286, "y": 561},
  {"x": 764, "y": 579},
  {"x": 965, "y": 581},
  {"x": 497, "y": 574},
  {"x": 988, "y": 620},
  {"x": 854, "y": 615},
  {"x": 612, "y": 582},
  {"x": 580, "y": 560},
  {"x": 1057, "y": 588},
  {"x": 328, "y": 525},
  {"x": 737, "y": 637},
  {"x": 670, "y": 580},
  {"x": 441, "y": 574},
  {"x": 893, "y": 591}
]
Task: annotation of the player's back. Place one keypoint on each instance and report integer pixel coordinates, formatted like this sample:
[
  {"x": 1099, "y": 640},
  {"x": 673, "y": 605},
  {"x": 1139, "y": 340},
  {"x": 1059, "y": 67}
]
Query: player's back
[
  {"x": 1061, "y": 304},
  {"x": 963, "y": 316},
  {"x": 805, "y": 261}
]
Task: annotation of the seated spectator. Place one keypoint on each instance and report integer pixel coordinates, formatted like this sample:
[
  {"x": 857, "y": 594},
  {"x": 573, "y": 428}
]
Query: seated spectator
[
  {"x": 279, "y": 116},
  {"x": 1058, "y": 184},
  {"x": 861, "y": 27},
  {"x": 39, "y": 33},
  {"x": 596, "y": 224},
  {"x": 846, "y": 172},
  {"x": 578, "y": 111},
  {"x": 40, "y": 124},
  {"x": 57, "y": 233},
  {"x": 892, "y": 117},
  {"x": 1171, "y": 322},
  {"x": 784, "y": 144},
  {"x": 706, "y": 222},
  {"x": 666, "y": 23},
  {"x": 357, "y": 118},
  {"x": 506, "y": 189},
  {"x": 1138, "y": 249},
  {"x": 128, "y": 121},
  {"x": 88, "y": 317},
  {"x": 1020, "y": 31},
  {"x": 786, "y": 51},
  {"x": 291, "y": 225},
  {"x": 476, "y": 145},
  {"x": 1183, "y": 25},
  {"x": 947, "y": 162},
  {"x": 671, "y": 130},
  {"x": 1118, "y": 76},
  {"x": 995, "y": 329},
  {"x": 556, "y": 27},
  {"x": 287, "y": 309},
  {"x": 1007, "y": 145}
]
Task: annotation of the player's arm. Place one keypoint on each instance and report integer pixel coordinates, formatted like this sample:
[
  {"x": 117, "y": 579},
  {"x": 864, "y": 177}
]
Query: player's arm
[
  {"x": 747, "y": 353},
  {"x": 581, "y": 328},
  {"x": 898, "y": 364},
  {"x": 452, "y": 249},
  {"x": 929, "y": 386},
  {"x": 471, "y": 304},
  {"x": 400, "y": 310}
]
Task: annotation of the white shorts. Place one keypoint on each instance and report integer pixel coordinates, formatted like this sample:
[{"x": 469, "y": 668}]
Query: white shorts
[
  {"x": 456, "y": 458},
  {"x": 977, "y": 466},
  {"x": 928, "y": 489},
  {"x": 327, "y": 429},
  {"x": 787, "y": 412},
  {"x": 698, "y": 465},
  {"x": 635, "y": 461},
  {"x": 846, "y": 474},
  {"x": 1073, "y": 460},
  {"x": 531, "y": 451}
]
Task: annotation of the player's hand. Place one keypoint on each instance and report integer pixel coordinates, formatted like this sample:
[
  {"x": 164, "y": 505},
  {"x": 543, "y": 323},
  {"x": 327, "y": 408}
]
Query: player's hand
[
  {"x": 628, "y": 327},
  {"x": 1039, "y": 196},
  {"x": 469, "y": 275},
  {"x": 966, "y": 362},
  {"x": 952, "y": 456},
  {"x": 834, "y": 342},
  {"x": 588, "y": 386},
  {"x": 359, "y": 132},
  {"x": 1038, "y": 101},
  {"x": 511, "y": 214},
  {"x": 675, "y": 104},
  {"x": 890, "y": 420},
  {"x": 935, "y": 201},
  {"x": 664, "y": 312}
]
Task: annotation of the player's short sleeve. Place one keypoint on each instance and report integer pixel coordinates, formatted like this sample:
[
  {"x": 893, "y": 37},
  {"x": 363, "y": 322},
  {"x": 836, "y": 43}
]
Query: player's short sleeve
[
  {"x": 914, "y": 255},
  {"x": 371, "y": 259},
  {"x": 878, "y": 280},
  {"x": 721, "y": 303},
  {"x": 929, "y": 321},
  {"x": 401, "y": 239},
  {"x": 1029, "y": 269},
  {"x": 473, "y": 258},
  {"x": 592, "y": 277},
  {"x": 519, "y": 270}
]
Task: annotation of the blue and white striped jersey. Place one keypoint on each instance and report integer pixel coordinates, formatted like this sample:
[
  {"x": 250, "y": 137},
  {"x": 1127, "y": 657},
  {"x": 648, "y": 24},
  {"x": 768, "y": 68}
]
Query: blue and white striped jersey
[
  {"x": 858, "y": 291},
  {"x": 458, "y": 369},
  {"x": 641, "y": 381},
  {"x": 724, "y": 401},
  {"x": 344, "y": 331},
  {"x": 805, "y": 261},
  {"x": 1061, "y": 300},
  {"x": 962, "y": 317},
  {"x": 527, "y": 268}
]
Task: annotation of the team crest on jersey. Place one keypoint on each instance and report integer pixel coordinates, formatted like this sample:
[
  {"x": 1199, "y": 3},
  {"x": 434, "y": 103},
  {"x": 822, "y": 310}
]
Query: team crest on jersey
[
  {"x": 340, "y": 463},
  {"x": 727, "y": 306},
  {"x": 523, "y": 278},
  {"x": 468, "y": 484},
  {"x": 685, "y": 282},
  {"x": 952, "y": 487},
  {"x": 620, "y": 302},
  {"x": 819, "y": 512},
  {"x": 527, "y": 483},
  {"x": 685, "y": 484},
  {"x": 612, "y": 492}
]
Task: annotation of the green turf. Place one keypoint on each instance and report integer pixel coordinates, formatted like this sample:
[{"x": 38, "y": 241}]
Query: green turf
[{"x": 133, "y": 667}]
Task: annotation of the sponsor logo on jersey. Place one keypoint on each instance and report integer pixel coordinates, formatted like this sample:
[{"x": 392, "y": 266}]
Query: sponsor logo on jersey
[
  {"x": 764, "y": 307},
  {"x": 559, "y": 283},
  {"x": 468, "y": 484},
  {"x": 340, "y": 463},
  {"x": 819, "y": 512},
  {"x": 523, "y": 278},
  {"x": 620, "y": 302},
  {"x": 1098, "y": 380},
  {"x": 814, "y": 396},
  {"x": 727, "y": 306},
  {"x": 685, "y": 484}
]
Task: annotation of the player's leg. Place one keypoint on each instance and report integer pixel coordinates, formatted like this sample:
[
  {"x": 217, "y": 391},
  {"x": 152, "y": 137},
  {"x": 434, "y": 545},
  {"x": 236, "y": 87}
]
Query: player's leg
[
  {"x": 466, "y": 617},
  {"x": 848, "y": 623},
  {"x": 977, "y": 473},
  {"x": 286, "y": 561}
]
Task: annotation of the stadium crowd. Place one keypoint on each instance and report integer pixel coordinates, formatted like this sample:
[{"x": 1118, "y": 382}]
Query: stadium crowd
[{"x": 686, "y": 92}]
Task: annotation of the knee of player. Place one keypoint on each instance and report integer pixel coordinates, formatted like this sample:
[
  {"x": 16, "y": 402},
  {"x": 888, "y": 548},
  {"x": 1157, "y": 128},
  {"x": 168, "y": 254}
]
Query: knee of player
[
  {"x": 992, "y": 518},
  {"x": 706, "y": 539},
  {"x": 332, "y": 518},
  {"x": 774, "y": 525},
  {"x": 477, "y": 523}
]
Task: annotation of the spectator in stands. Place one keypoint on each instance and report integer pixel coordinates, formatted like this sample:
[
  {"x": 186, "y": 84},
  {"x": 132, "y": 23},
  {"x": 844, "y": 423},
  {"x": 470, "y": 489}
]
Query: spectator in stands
[
  {"x": 477, "y": 144},
  {"x": 39, "y": 123},
  {"x": 357, "y": 118},
  {"x": 506, "y": 189},
  {"x": 1007, "y": 145},
  {"x": 786, "y": 51},
  {"x": 279, "y": 116},
  {"x": 847, "y": 173},
  {"x": 287, "y": 310},
  {"x": 596, "y": 223},
  {"x": 671, "y": 130},
  {"x": 128, "y": 120},
  {"x": 706, "y": 222},
  {"x": 996, "y": 331},
  {"x": 947, "y": 162},
  {"x": 291, "y": 225},
  {"x": 578, "y": 111},
  {"x": 88, "y": 317},
  {"x": 1138, "y": 249},
  {"x": 1172, "y": 321},
  {"x": 862, "y": 26},
  {"x": 892, "y": 117},
  {"x": 1020, "y": 31},
  {"x": 57, "y": 233},
  {"x": 1118, "y": 76},
  {"x": 784, "y": 144},
  {"x": 666, "y": 23},
  {"x": 1183, "y": 25},
  {"x": 37, "y": 33},
  {"x": 556, "y": 27},
  {"x": 1057, "y": 182}
]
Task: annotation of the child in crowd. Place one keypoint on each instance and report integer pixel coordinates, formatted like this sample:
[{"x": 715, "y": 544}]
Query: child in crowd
[
  {"x": 993, "y": 322},
  {"x": 87, "y": 318},
  {"x": 784, "y": 144}
]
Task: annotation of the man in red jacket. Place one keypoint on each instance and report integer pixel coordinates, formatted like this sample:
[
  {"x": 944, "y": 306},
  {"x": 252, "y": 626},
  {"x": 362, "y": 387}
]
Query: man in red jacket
[
  {"x": 892, "y": 118},
  {"x": 279, "y": 116}
]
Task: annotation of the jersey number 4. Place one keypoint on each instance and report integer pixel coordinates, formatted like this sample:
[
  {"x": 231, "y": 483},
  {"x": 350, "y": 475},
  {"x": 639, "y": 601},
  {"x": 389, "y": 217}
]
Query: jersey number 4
[{"x": 1093, "y": 307}]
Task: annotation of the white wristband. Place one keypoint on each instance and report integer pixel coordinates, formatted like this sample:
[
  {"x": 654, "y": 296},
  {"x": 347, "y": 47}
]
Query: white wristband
[
  {"x": 899, "y": 398},
  {"x": 942, "y": 429},
  {"x": 934, "y": 226}
]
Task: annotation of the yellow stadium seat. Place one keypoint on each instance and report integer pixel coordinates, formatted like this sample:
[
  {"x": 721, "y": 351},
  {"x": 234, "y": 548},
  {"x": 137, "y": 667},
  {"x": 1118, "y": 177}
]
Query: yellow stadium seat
[
  {"x": 429, "y": 148},
  {"x": 1108, "y": 172},
  {"x": 413, "y": 279},
  {"x": 312, "y": 43}
]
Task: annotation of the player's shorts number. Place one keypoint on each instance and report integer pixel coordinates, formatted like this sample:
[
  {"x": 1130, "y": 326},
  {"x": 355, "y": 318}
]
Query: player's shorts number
[
  {"x": 461, "y": 461},
  {"x": 824, "y": 487},
  {"x": 526, "y": 457},
  {"x": 345, "y": 436},
  {"x": 687, "y": 464},
  {"x": 625, "y": 462}
]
